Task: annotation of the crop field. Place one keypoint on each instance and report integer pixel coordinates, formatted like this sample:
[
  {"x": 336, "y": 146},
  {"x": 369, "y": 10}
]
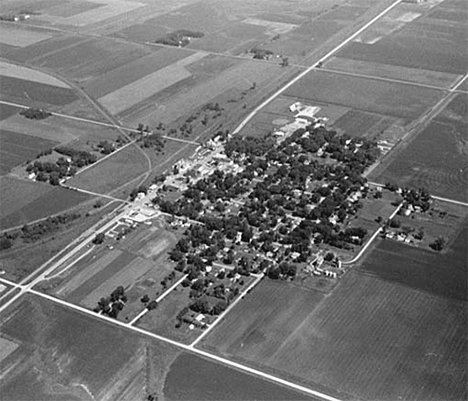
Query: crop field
[
  {"x": 24, "y": 258},
  {"x": 187, "y": 380},
  {"x": 370, "y": 339},
  {"x": 44, "y": 48},
  {"x": 57, "y": 129},
  {"x": 147, "y": 86},
  {"x": 86, "y": 13},
  {"x": 426, "y": 77},
  {"x": 87, "y": 59},
  {"x": 7, "y": 111},
  {"x": 34, "y": 94},
  {"x": 437, "y": 157},
  {"x": 19, "y": 210},
  {"x": 16, "y": 194},
  {"x": 386, "y": 98},
  {"x": 134, "y": 70},
  {"x": 110, "y": 174},
  {"x": 20, "y": 37},
  {"x": 52, "y": 362},
  {"x": 357, "y": 123},
  {"x": 28, "y": 74},
  {"x": 169, "y": 105},
  {"x": 16, "y": 148},
  {"x": 443, "y": 48},
  {"x": 42, "y": 358},
  {"x": 137, "y": 262},
  {"x": 444, "y": 275}
]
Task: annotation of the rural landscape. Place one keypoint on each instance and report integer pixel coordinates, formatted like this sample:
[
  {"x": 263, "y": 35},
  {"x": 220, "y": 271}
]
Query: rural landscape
[{"x": 233, "y": 200}]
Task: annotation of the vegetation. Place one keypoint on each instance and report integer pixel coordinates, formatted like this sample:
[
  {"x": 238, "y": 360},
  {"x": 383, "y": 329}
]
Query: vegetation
[
  {"x": 112, "y": 305},
  {"x": 261, "y": 54},
  {"x": 179, "y": 38},
  {"x": 35, "y": 232},
  {"x": 35, "y": 114}
]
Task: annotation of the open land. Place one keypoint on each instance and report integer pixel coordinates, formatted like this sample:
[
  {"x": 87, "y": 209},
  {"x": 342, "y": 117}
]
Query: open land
[
  {"x": 25, "y": 257},
  {"x": 102, "y": 178},
  {"x": 392, "y": 327},
  {"x": 399, "y": 340},
  {"x": 392, "y": 99},
  {"x": 436, "y": 157},
  {"x": 25, "y": 201},
  {"x": 137, "y": 261},
  {"x": 48, "y": 361},
  {"x": 441, "y": 43},
  {"x": 16, "y": 148}
]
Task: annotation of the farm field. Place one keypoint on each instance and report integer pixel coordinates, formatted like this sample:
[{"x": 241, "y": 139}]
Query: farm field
[
  {"x": 24, "y": 258},
  {"x": 21, "y": 37},
  {"x": 184, "y": 98},
  {"x": 51, "y": 362},
  {"x": 138, "y": 262},
  {"x": 187, "y": 381},
  {"x": 443, "y": 48},
  {"x": 89, "y": 58},
  {"x": 42, "y": 358},
  {"x": 16, "y": 148},
  {"x": 16, "y": 194},
  {"x": 25, "y": 202},
  {"x": 399, "y": 341},
  {"x": 426, "y": 77},
  {"x": 110, "y": 174},
  {"x": 444, "y": 275},
  {"x": 58, "y": 129},
  {"x": 363, "y": 94},
  {"x": 34, "y": 94},
  {"x": 436, "y": 157},
  {"x": 8, "y": 111}
]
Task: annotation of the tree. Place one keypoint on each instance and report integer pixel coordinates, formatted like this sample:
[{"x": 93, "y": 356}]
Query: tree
[
  {"x": 329, "y": 256},
  {"x": 145, "y": 298},
  {"x": 284, "y": 62},
  {"x": 152, "y": 305},
  {"x": 438, "y": 244},
  {"x": 5, "y": 243},
  {"x": 99, "y": 238}
]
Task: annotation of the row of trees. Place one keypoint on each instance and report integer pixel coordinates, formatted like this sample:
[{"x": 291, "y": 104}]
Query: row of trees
[{"x": 37, "y": 231}]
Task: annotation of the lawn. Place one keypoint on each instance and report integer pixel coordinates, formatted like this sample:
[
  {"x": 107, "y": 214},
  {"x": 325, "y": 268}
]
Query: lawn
[
  {"x": 386, "y": 98},
  {"x": 369, "y": 339},
  {"x": 436, "y": 157}
]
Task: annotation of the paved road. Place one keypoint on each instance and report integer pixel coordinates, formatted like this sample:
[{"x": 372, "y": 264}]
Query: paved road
[
  {"x": 321, "y": 61},
  {"x": 371, "y": 239},
  {"x": 189, "y": 348},
  {"x": 456, "y": 202},
  {"x": 107, "y": 125},
  {"x": 394, "y": 80}
]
